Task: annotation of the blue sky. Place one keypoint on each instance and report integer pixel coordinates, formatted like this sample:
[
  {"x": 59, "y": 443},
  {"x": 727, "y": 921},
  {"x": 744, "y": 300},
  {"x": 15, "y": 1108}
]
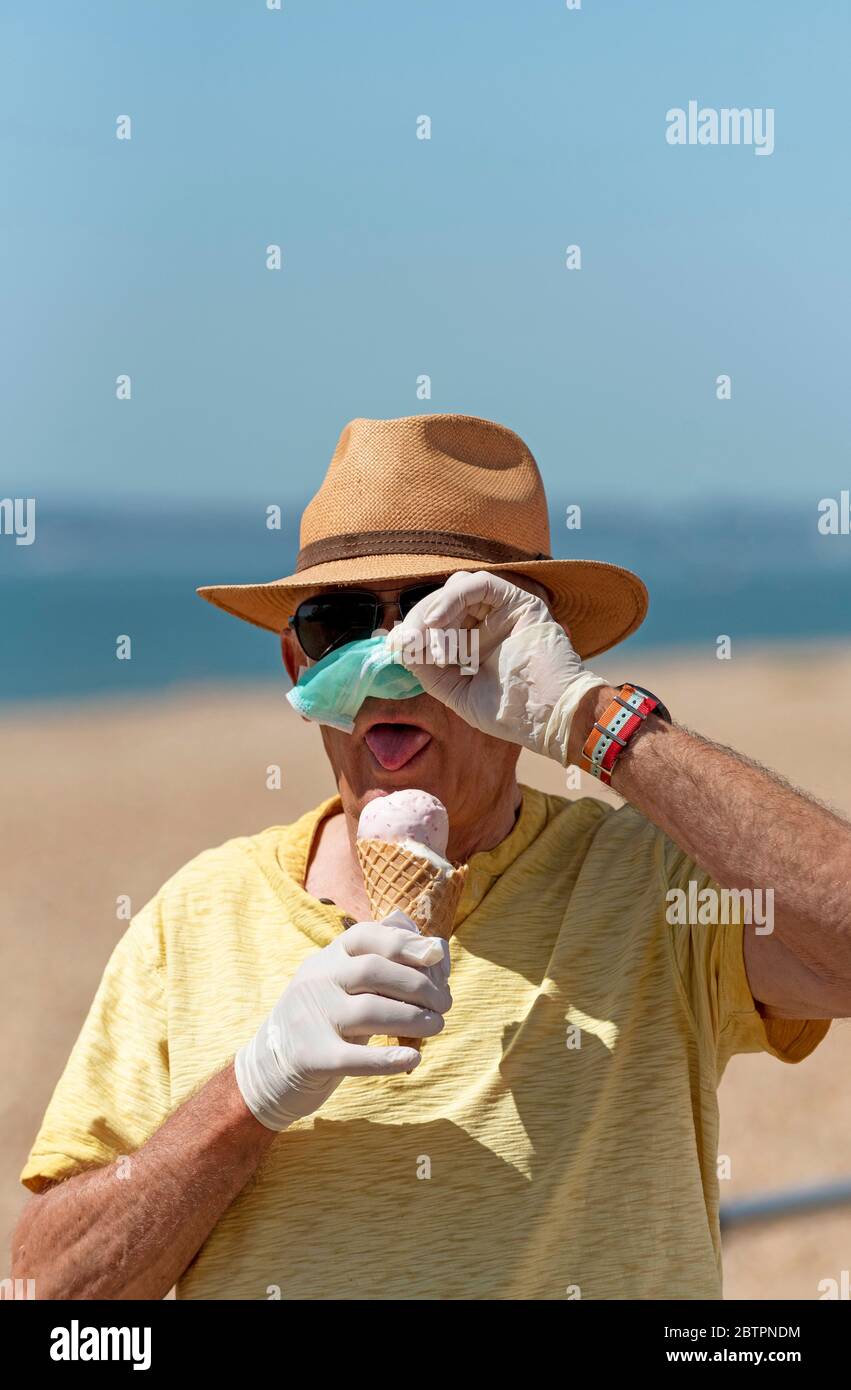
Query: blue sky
[{"x": 404, "y": 257}]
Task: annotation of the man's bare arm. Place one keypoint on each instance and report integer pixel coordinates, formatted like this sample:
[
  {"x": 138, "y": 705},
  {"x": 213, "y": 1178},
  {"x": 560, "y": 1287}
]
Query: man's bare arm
[
  {"x": 748, "y": 829},
  {"x": 100, "y": 1235}
]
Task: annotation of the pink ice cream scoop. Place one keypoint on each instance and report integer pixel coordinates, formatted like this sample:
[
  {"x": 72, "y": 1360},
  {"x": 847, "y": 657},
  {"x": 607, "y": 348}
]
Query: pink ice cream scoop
[{"x": 406, "y": 815}]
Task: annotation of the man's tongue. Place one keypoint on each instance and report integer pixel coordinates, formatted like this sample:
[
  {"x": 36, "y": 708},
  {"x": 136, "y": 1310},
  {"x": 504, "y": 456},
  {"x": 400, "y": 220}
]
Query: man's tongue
[{"x": 393, "y": 745}]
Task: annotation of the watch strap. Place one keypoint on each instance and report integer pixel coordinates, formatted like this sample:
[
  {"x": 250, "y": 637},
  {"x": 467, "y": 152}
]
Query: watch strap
[{"x": 618, "y": 723}]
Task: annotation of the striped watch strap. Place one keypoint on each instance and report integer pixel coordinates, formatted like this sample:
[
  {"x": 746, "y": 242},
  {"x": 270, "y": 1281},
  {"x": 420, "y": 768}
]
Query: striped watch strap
[{"x": 616, "y": 726}]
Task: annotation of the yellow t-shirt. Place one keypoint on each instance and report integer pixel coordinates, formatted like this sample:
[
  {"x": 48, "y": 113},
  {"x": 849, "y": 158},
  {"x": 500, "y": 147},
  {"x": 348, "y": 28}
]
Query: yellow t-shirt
[{"x": 558, "y": 1139}]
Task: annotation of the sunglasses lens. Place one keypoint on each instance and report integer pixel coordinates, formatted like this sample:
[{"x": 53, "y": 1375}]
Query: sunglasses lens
[
  {"x": 321, "y": 624},
  {"x": 409, "y": 597}
]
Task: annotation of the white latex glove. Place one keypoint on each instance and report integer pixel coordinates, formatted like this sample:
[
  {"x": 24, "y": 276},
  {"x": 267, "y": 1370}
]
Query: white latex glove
[
  {"x": 372, "y": 979},
  {"x": 529, "y": 681}
]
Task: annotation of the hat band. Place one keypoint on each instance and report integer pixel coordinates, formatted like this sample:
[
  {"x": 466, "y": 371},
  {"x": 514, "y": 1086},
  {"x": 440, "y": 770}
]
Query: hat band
[{"x": 358, "y": 544}]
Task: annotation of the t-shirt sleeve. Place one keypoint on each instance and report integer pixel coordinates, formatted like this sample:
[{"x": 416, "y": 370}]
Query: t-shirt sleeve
[
  {"x": 711, "y": 965},
  {"x": 114, "y": 1092}
]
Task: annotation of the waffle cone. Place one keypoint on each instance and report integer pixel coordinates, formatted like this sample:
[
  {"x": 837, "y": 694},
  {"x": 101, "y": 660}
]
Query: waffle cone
[{"x": 396, "y": 878}]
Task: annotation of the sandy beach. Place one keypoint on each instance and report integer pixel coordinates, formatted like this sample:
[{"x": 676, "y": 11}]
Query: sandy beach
[{"x": 109, "y": 798}]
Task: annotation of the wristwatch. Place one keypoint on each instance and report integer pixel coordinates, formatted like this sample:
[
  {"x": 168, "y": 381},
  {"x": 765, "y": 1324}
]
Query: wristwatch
[{"x": 616, "y": 726}]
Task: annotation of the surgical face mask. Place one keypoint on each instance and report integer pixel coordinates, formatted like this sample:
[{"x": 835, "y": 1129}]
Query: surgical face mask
[{"x": 332, "y": 691}]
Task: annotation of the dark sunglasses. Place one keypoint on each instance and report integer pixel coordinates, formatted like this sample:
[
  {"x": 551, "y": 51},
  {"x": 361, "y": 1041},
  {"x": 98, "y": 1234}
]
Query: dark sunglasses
[{"x": 328, "y": 621}]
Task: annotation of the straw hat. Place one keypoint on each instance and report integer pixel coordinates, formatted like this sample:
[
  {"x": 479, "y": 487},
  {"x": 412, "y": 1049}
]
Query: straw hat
[{"x": 427, "y": 495}]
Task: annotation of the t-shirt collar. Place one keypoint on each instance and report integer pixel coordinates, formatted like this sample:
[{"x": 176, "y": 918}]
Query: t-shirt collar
[{"x": 284, "y": 859}]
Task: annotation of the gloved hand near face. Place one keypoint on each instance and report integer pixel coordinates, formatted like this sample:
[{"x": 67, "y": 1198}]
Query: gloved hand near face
[{"x": 529, "y": 681}]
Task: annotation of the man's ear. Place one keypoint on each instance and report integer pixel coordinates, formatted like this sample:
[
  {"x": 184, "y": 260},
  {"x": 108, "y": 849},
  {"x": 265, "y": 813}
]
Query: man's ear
[{"x": 293, "y": 657}]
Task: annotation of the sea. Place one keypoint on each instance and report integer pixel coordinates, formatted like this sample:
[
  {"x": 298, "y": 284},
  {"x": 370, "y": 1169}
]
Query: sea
[{"x": 95, "y": 574}]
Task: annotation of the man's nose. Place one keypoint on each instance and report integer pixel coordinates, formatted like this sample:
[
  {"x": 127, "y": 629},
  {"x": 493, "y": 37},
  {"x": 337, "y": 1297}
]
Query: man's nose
[{"x": 389, "y": 613}]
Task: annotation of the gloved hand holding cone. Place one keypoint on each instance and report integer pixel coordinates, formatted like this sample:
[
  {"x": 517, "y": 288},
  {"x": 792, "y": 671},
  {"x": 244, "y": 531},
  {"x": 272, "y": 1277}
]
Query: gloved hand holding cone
[{"x": 401, "y": 845}]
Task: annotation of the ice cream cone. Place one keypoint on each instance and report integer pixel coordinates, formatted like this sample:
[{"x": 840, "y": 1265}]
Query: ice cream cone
[{"x": 396, "y": 877}]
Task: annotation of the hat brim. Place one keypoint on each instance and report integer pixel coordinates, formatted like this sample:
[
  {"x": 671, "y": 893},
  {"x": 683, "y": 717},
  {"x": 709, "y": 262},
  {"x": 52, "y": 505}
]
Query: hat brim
[{"x": 600, "y": 604}]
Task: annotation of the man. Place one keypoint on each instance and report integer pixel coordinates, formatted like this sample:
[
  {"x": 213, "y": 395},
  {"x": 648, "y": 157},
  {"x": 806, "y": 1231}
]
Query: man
[{"x": 557, "y": 1138}]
